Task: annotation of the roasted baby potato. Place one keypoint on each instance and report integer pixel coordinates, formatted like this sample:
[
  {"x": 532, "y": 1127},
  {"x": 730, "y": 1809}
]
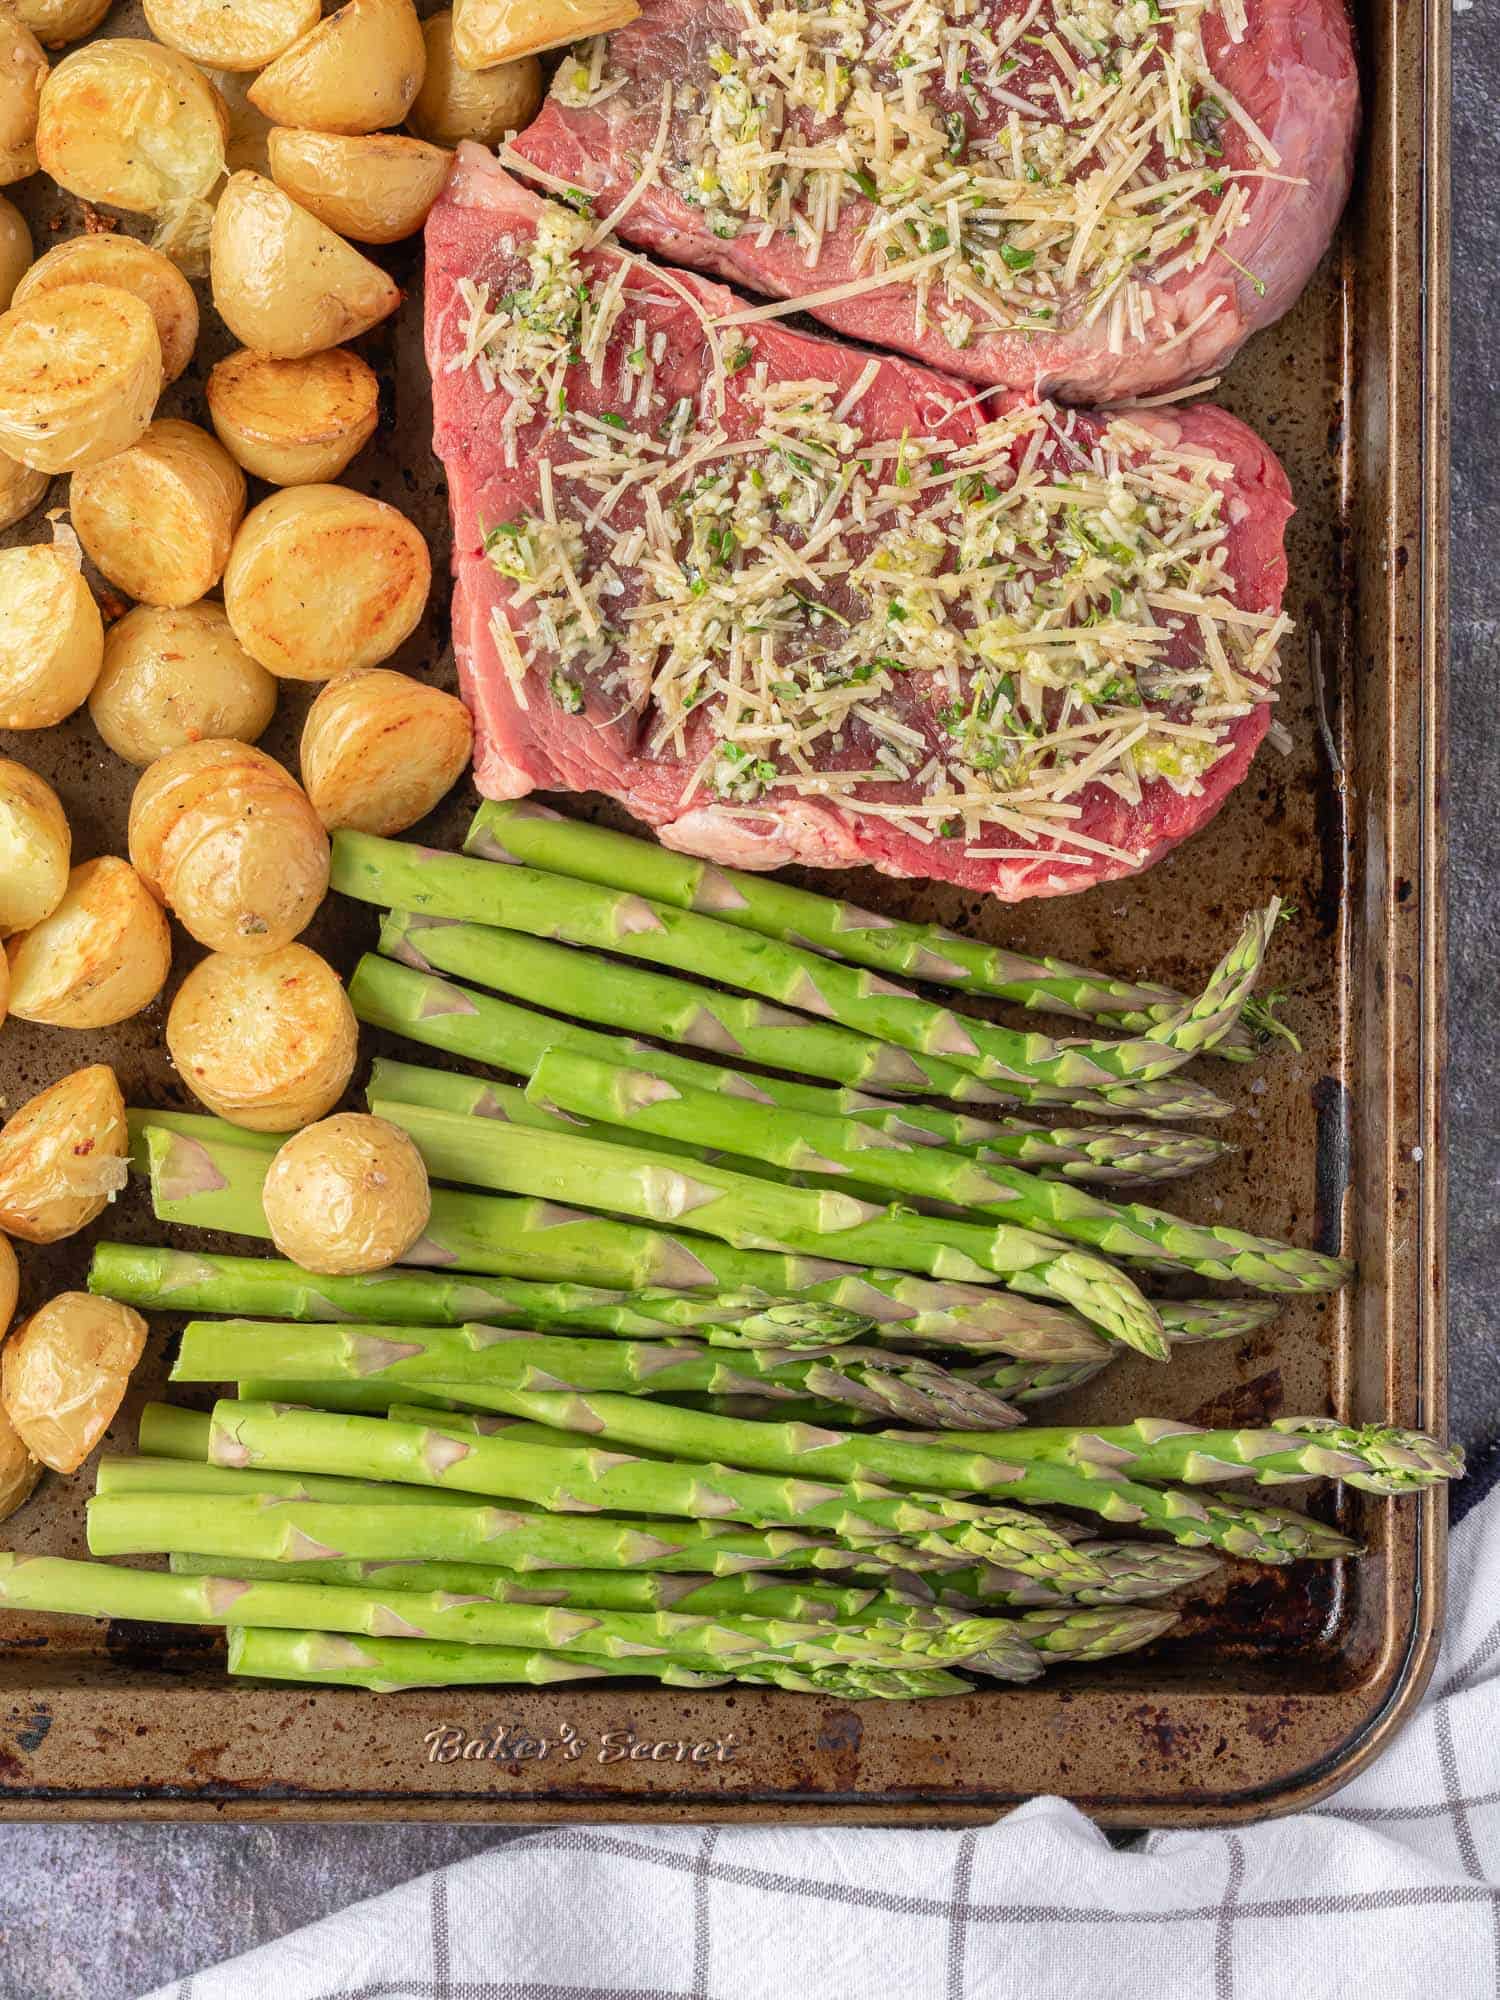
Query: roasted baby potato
[
  {"x": 239, "y": 35},
  {"x": 245, "y": 871},
  {"x": 22, "y": 69},
  {"x": 15, "y": 250},
  {"x": 347, "y": 1195},
  {"x": 268, "y": 1043},
  {"x": 63, "y": 1157},
  {"x": 21, "y": 490},
  {"x": 486, "y": 32},
  {"x": 357, "y": 71},
  {"x": 175, "y": 783},
  {"x": 322, "y": 580},
  {"x": 133, "y": 124},
  {"x": 175, "y": 676},
  {"x": 379, "y": 750},
  {"x": 158, "y": 519},
  {"x": 102, "y": 955},
  {"x": 51, "y": 636},
  {"x": 35, "y": 845},
  {"x": 294, "y": 423},
  {"x": 80, "y": 372},
  {"x": 57, "y": 21},
  {"x": 64, "y": 1373},
  {"x": 376, "y": 187},
  {"x": 131, "y": 267},
  {"x": 284, "y": 284},
  {"x": 19, "y": 1471},
  {"x": 10, "y": 1291},
  {"x": 455, "y": 103}
]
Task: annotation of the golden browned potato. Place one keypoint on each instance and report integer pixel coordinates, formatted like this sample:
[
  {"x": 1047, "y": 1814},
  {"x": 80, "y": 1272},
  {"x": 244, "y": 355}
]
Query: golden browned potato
[
  {"x": 15, "y": 250},
  {"x": 356, "y": 71},
  {"x": 21, "y": 490},
  {"x": 63, "y": 1157},
  {"x": 51, "y": 636},
  {"x": 283, "y": 282},
  {"x": 455, "y": 103},
  {"x": 245, "y": 867},
  {"x": 486, "y": 32},
  {"x": 130, "y": 267},
  {"x": 379, "y": 750},
  {"x": 268, "y": 1043},
  {"x": 322, "y": 580},
  {"x": 22, "y": 69},
  {"x": 348, "y": 1195},
  {"x": 59, "y": 21},
  {"x": 80, "y": 372},
  {"x": 19, "y": 1471},
  {"x": 294, "y": 423},
  {"x": 175, "y": 783},
  {"x": 175, "y": 676},
  {"x": 64, "y": 1373},
  {"x": 231, "y": 34},
  {"x": 158, "y": 518},
  {"x": 375, "y": 187},
  {"x": 35, "y": 846},
  {"x": 10, "y": 1288},
  {"x": 102, "y": 955},
  {"x": 133, "y": 124}
]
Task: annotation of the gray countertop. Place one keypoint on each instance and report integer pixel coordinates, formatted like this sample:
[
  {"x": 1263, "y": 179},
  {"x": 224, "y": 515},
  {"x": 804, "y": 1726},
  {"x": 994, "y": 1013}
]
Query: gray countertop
[{"x": 106, "y": 1913}]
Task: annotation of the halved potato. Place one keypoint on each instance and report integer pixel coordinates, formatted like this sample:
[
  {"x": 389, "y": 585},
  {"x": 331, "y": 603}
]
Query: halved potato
[
  {"x": 231, "y": 34},
  {"x": 51, "y": 636},
  {"x": 283, "y": 282},
  {"x": 294, "y": 423},
  {"x": 80, "y": 372},
  {"x": 159, "y": 518},
  {"x": 486, "y": 32},
  {"x": 376, "y": 187},
  {"x": 23, "y": 67},
  {"x": 131, "y": 267},
  {"x": 63, "y": 1157},
  {"x": 36, "y": 845},
  {"x": 175, "y": 783},
  {"x": 10, "y": 1291},
  {"x": 175, "y": 675},
  {"x": 19, "y": 1471},
  {"x": 455, "y": 103},
  {"x": 21, "y": 490},
  {"x": 64, "y": 1373},
  {"x": 322, "y": 580},
  {"x": 245, "y": 868},
  {"x": 133, "y": 124},
  {"x": 379, "y": 750},
  {"x": 102, "y": 955},
  {"x": 248, "y": 128},
  {"x": 347, "y": 1195},
  {"x": 268, "y": 1043},
  {"x": 15, "y": 250},
  {"x": 357, "y": 71},
  {"x": 57, "y": 21}
]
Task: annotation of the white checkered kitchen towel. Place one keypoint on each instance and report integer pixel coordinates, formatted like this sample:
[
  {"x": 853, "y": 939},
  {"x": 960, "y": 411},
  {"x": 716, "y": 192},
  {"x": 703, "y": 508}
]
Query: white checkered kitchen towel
[{"x": 1391, "y": 1889}]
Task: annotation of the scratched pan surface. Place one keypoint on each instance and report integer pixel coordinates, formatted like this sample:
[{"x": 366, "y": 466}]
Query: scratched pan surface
[{"x": 1282, "y": 1681}]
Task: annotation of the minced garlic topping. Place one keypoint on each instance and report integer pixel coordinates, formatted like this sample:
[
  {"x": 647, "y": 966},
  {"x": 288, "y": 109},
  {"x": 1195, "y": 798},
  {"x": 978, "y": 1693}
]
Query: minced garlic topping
[{"x": 1021, "y": 171}]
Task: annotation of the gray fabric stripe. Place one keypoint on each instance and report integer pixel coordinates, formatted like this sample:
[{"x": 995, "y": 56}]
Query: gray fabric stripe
[
  {"x": 1482, "y": 1654},
  {"x": 440, "y": 1954},
  {"x": 1442, "y": 1729},
  {"x": 702, "y": 1935},
  {"x": 1382, "y": 1815},
  {"x": 1224, "y": 1923},
  {"x": 958, "y": 1913}
]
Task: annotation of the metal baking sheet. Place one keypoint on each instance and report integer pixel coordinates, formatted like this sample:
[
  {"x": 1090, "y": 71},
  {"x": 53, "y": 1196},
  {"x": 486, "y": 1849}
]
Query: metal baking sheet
[{"x": 1282, "y": 1683}]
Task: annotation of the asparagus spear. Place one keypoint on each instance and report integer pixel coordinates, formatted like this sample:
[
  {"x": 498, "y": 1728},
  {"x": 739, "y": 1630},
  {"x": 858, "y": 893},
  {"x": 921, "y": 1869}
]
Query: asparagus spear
[
  {"x": 1136, "y": 1572},
  {"x": 386, "y": 1665},
  {"x": 1262, "y": 1534},
  {"x": 400, "y": 876},
  {"x": 637, "y": 1099},
  {"x": 410, "y": 999},
  {"x": 1190, "y": 1320},
  {"x": 524, "y": 832},
  {"x": 463, "y": 1362},
  {"x": 1098, "y": 1634},
  {"x": 738, "y": 1208}
]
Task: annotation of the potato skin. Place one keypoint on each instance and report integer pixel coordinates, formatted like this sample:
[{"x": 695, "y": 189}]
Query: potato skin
[
  {"x": 15, "y": 250},
  {"x": 58, "y": 21},
  {"x": 158, "y": 518},
  {"x": 10, "y": 1291},
  {"x": 294, "y": 423},
  {"x": 380, "y": 749},
  {"x": 375, "y": 187},
  {"x": 64, "y": 1373},
  {"x": 175, "y": 783},
  {"x": 80, "y": 373},
  {"x": 245, "y": 868},
  {"x": 23, "y": 66},
  {"x": 486, "y": 32},
  {"x": 455, "y": 103},
  {"x": 104, "y": 117},
  {"x": 322, "y": 580},
  {"x": 243, "y": 36},
  {"x": 357, "y": 71},
  {"x": 51, "y": 636},
  {"x": 21, "y": 490},
  {"x": 268, "y": 1043},
  {"x": 19, "y": 1471},
  {"x": 347, "y": 1195},
  {"x": 176, "y": 675},
  {"x": 63, "y": 1157},
  {"x": 102, "y": 955},
  {"x": 36, "y": 843},
  {"x": 285, "y": 284},
  {"x": 130, "y": 267}
]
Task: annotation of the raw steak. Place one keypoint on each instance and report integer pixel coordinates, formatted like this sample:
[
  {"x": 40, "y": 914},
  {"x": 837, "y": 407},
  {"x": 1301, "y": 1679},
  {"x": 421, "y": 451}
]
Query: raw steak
[
  {"x": 811, "y": 635},
  {"x": 1141, "y": 312}
]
